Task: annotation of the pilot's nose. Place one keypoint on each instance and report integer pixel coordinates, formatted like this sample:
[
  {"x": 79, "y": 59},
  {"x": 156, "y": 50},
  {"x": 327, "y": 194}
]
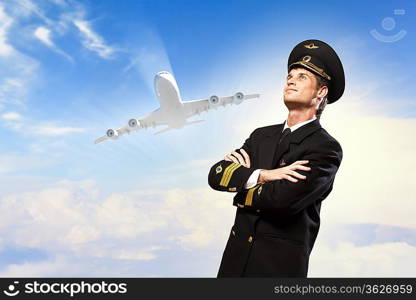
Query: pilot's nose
[{"x": 290, "y": 81}]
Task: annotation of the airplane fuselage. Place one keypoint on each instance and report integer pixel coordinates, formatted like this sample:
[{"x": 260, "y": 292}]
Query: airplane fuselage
[{"x": 167, "y": 91}]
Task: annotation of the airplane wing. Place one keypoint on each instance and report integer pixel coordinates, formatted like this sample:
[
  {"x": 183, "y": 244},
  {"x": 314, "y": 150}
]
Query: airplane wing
[
  {"x": 114, "y": 133},
  {"x": 195, "y": 107},
  {"x": 191, "y": 108},
  {"x": 151, "y": 120}
]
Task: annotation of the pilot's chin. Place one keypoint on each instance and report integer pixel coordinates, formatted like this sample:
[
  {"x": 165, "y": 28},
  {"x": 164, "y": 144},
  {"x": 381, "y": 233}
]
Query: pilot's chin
[
  {"x": 290, "y": 99},
  {"x": 292, "y": 102}
]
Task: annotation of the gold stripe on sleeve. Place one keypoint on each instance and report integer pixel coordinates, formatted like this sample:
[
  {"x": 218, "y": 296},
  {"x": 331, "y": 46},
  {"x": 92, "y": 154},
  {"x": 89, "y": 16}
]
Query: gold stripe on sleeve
[
  {"x": 224, "y": 174},
  {"x": 230, "y": 173},
  {"x": 249, "y": 197}
]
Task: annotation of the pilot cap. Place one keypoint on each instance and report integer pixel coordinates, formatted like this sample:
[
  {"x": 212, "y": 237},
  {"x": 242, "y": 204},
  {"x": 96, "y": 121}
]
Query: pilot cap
[{"x": 319, "y": 58}]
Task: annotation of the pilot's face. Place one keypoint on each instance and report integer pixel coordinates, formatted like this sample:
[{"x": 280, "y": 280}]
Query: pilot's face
[{"x": 300, "y": 89}]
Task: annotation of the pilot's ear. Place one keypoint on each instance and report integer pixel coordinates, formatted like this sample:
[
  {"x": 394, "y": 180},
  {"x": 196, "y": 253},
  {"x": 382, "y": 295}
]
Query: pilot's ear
[{"x": 322, "y": 92}]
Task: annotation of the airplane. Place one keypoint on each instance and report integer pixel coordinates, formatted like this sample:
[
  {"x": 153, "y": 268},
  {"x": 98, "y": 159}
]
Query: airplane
[{"x": 173, "y": 112}]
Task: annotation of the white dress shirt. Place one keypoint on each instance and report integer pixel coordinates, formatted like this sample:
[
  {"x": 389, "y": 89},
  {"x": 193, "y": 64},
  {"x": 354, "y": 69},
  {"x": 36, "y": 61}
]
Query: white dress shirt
[{"x": 254, "y": 177}]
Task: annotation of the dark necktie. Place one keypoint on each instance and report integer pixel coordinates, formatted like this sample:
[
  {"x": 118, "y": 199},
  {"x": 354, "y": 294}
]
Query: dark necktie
[{"x": 285, "y": 133}]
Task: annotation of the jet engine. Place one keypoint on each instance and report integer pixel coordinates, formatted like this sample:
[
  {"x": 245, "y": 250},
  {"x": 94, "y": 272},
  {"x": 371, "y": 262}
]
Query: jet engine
[
  {"x": 214, "y": 100},
  {"x": 134, "y": 123},
  {"x": 238, "y": 98},
  {"x": 111, "y": 133}
]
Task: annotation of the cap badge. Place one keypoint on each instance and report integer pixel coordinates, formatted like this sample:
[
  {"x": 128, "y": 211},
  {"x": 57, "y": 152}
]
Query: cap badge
[
  {"x": 306, "y": 58},
  {"x": 311, "y": 46}
]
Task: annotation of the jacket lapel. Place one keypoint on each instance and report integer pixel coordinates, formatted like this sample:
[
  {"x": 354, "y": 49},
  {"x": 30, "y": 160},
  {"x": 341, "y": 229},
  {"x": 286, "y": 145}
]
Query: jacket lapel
[{"x": 268, "y": 146}]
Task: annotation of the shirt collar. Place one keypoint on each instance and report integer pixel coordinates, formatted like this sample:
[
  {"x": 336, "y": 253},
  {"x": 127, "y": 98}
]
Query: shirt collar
[{"x": 294, "y": 127}]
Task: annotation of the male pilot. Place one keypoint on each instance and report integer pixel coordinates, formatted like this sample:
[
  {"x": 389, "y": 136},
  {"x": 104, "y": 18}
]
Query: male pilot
[{"x": 283, "y": 172}]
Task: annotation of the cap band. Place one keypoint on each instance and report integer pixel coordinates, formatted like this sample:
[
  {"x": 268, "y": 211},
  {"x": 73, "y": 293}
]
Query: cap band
[{"x": 311, "y": 67}]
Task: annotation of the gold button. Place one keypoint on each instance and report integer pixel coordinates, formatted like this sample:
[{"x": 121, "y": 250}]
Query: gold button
[
  {"x": 233, "y": 232},
  {"x": 250, "y": 239}
]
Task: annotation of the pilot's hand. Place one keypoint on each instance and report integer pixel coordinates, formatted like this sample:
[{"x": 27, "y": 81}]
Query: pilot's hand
[
  {"x": 236, "y": 157},
  {"x": 287, "y": 172}
]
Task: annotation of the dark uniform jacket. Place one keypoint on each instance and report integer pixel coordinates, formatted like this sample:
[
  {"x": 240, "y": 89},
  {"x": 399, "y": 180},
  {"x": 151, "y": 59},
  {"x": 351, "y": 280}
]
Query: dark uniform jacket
[{"x": 277, "y": 222}]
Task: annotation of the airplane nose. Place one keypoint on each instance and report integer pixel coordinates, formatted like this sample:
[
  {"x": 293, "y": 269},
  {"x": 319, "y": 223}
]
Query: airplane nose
[
  {"x": 163, "y": 75},
  {"x": 158, "y": 78}
]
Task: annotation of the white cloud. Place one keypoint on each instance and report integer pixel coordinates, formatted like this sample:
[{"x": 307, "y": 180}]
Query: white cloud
[
  {"x": 65, "y": 265},
  {"x": 52, "y": 130},
  {"x": 5, "y": 23},
  {"x": 12, "y": 89},
  {"x": 146, "y": 253},
  {"x": 79, "y": 234},
  {"x": 54, "y": 266},
  {"x": 92, "y": 41},
  {"x": 349, "y": 260},
  {"x": 43, "y": 34},
  {"x": 122, "y": 216},
  {"x": 191, "y": 222},
  {"x": 14, "y": 116},
  {"x": 73, "y": 216},
  {"x": 363, "y": 250},
  {"x": 374, "y": 182},
  {"x": 17, "y": 162},
  {"x": 79, "y": 223},
  {"x": 17, "y": 69},
  {"x": 27, "y": 8},
  {"x": 14, "y": 121}
]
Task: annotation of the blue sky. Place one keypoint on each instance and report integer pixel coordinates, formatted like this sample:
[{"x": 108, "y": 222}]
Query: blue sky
[{"x": 70, "y": 70}]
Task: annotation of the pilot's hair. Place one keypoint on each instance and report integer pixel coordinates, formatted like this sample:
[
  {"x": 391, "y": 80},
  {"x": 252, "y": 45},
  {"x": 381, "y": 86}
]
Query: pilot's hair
[{"x": 320, "y": 81}]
